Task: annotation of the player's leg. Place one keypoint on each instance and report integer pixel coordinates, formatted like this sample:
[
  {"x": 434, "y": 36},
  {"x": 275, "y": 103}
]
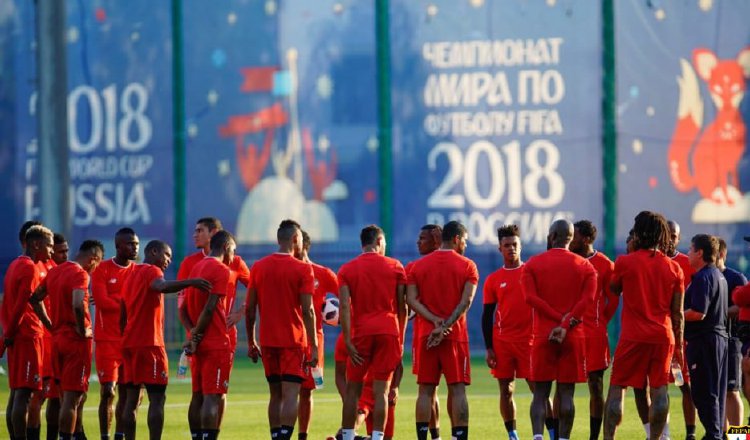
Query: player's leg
[
  {"x": 9, "y": 412},
  {"x": 459, "y": 409},
  {"x": 68, "y": 413},
  {"x": 274, "y": 405},
  {"x": 349, "y": 410},
  {"x": 120, "y": 408},
  {"x": 289, "y": 399},
  {"x": 508, "y": 405},
  {"x": 423, "y": 408},
  {"x": 78, "y": 432},
  {"x": 210, "y": 415},
  {"x": 340, "y": 371},
  {"x": 746, "y": 374},
  {"x": 52, "y": 416},
  {"x": 106, "y": 406},
  {"x": 194, "y": 413},
  {"x": 658, "y": 411},
  {"x": 157, "y": 396},
  {"x": 305, "y": 411},
  {"x": 567, "y": 410},
  {"x": 596, "y": 402},
  {"x": 642, "y": 405},
  {"x": 435, "y": 415},
  {"x": 688, "y": 411},
  {"x": 19, "y": 411},
  {"x": 613, "y": 410},
  {"x": 735, "y": 409},
  {"x": 34, "y": 420},
  {"x": 380, "y": 390},
  {"x": 539, "y": 404},
  {"x": 130, "y": 410}
]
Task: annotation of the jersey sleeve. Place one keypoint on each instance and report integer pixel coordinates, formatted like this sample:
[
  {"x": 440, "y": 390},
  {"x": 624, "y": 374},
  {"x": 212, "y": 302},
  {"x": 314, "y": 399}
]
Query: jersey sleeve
[
  {"x": 328, "y": 282},
  {"x": 472, "y": 273},
  {"x": 27, "y": 280},
  {"x": 99, "y": 291},
  {"x": 400, "y": 273},
  {"x": 243, "y": 272},
  {"x": 183, "y": 272},
  {"x": 698, "y": 294},
  {"x": 588, "y": 291},
  {"x": 307, "y": 280},
  {"x": 612, "y": 300},
  {"x": 153, "y": 273},
  {"x": 343, "y": 276},
  {"x": 489, "y": 295}
]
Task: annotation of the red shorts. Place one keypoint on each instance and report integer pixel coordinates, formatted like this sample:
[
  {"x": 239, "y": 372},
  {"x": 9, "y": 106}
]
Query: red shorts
[
  {"x": 25, "y": 363},
  {"x": 414, "y": 351},
  {"x": 597, "y": 352},
  {"x": 381, "y": 354},
  {"x": 284, "y": 364},
  {"x": 308, "y": 383},
  {"x": 367, "y": 403},
  {"x": 450, "y": 358},
  {"x": 683, "y": 366},
  {"x": 564, "y": 363},
  {"x": 637, "y": 364},
  {"x": 108, "y": 356},
  {"x": 210, "y": 370},
  {"x": 513, "y": 359},
  {"x": 339, "y": 353},
  {"x": 47, "y": 370},
  {"x": 145, "y": 366},
  {"x": 50, "y": 388},
  {"x": 71, "y": 360}
]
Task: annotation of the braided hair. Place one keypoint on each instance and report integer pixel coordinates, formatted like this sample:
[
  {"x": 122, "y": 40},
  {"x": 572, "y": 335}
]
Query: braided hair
[{"x": 651, "y": 232}]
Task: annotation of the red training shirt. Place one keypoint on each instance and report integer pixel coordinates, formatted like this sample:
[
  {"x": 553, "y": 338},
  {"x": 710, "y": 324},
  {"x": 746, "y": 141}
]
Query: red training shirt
[
  {"x": 513, "y": 315},
  {"x": 60, "y": 282},
  {"x": 239, "y": 272},
  {"x": 648, "y": 281},
  {"x": 440, "y": 278},
  {"x": 216, "y": 335},
  {"x": 595, "y": 318},
  {"x": 144, "y": 308},
  {"x": 555, "y": 283},
  {"x": 183, "y": 273},
  {"x": 687, "y": 270},
  {"x": 106, "y": 287},
  {"x": 325, "y": 283},
  {"x": 372, "y": 280},
  {"x": 17, "y": 315}
]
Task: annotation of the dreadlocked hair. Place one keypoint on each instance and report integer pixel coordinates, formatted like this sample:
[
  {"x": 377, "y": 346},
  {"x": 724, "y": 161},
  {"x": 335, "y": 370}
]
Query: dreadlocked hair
[{"x": 651, "y": 231}]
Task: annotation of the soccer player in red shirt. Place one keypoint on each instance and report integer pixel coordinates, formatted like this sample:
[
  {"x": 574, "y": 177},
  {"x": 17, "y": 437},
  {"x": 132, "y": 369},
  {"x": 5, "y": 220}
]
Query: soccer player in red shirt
[
  {"x": 205, "y": 228},
  {"x": 441, "y": 288},
  {"x": 595, "y": 321},
  {"x": 652, "y": 323},
  {"x": 559, "y": 286},
  {"x": 60, "y": 249},
  {"x": 67, "y": 286},
  {"x": 371, "y": 294},
  {"x": 144, "y": 357},
  {"x": 22, "y": 330},
  {"x": 325, "y": 283},
  {"x": 508, "y": 339},
  {"x": 281, "y": 288},
  {"x": 106, "y": 287}
]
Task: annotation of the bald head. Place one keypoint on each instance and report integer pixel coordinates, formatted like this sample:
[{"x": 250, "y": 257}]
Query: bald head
[
  {"x": 560, "y": 234},
  {"x": 674, "y": 234}
]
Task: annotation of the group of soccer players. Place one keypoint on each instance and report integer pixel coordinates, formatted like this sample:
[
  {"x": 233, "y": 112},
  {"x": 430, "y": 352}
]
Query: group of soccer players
[{"x": 544, "y": 321}]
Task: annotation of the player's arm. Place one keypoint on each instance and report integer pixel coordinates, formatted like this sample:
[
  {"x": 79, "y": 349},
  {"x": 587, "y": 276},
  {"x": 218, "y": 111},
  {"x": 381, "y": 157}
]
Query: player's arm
[
  {"x": 123, "y": 317},
  {"x": 741, "y": 296},
  {"x": 699, "y": 293},
  {"x": 488, "y": 313},
  {"x": 412, "y": 298},
  {"x": 196, "y": 333},
  {"x": 78, "y": 310},
  {"x": 24, "y": 292},
  {"x": 586, "y": 300},
  {"x": 37, "y": 303},
  {"x": 308, "y": 318},
  {"x": 251, "y": 303},
  {"x": 467, "y": 296},
  {"x": 402, "y": 312},
  {"x": 164, "y": 286},
  {"x": 345, "y": 319},
  {"x": 612, "y": 300},
  {"x": 678, "y": 324},
  {"x": 99, "y": 292},
  {"x": 528, "y": 286}
]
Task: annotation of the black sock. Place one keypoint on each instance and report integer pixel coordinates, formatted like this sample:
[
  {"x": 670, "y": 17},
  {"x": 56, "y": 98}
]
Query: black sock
[
  {"x": 210, "y": 434},
  {"x": 549, "y": 423},
  {"x": 556, "y": 423},
  {"x": 33, "y": 433},
  {"x": 422, "y": 429},
  {"x": 460, "y": 432},
  {"x": 105, "y": 436},
  {"x": 435, "y": 432},
  {"x": 595, "y": 424},
  {"x": 285, "y": 432},
  {"x": 66, "y": 436},
  {"x": 510, "y": 426},
  {"x": 52, "y": 432},
  {"x": 690, "y": 430},
  {"x": 121, "y": 435},
  {"x": 79, "y": 436},
  {"x": 302, "y": 436}
]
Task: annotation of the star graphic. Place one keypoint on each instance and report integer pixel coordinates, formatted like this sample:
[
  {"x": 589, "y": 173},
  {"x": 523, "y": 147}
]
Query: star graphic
[
  {"x": 323, "y": 143},
  {"x": 373, "y": 143},
  {"x": 224, "y": 168}
]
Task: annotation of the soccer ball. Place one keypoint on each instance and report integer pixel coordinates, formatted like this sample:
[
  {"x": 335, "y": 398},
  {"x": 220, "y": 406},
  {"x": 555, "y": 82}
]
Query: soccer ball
[{"x": 331, "y": 311}]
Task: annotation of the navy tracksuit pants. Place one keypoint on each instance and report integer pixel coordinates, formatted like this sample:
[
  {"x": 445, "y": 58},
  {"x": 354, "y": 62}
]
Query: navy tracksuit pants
[{"x": 707, "y": 361}]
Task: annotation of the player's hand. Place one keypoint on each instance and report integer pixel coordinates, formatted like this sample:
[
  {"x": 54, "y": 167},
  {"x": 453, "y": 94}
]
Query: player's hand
[
  {"x": 253, "y": 352},
  {"x": 202, "y": 284},
  {"x": 393, "y": 396},
  {"x": 436, "y": 337},
  {"x": 189, "y": 347},
  {"x": 558, "y": 335},
  {"x": 313, "y": 362},
  {"x": 235, "y": 317},
  {"x": 354, "y": 355},
  {"x": 195, "y": 336},
  {"x": 733, "y": 312},
  {"x": 677, "y": 355},
  {"x": 490, "y": 358}
]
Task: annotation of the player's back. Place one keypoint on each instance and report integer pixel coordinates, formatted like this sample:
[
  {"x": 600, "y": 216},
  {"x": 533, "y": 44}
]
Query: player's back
[
  {"x": 594, "y": 319},
  {"x": 279, "y": 279},
  {"x": 372, "y": 280},
  {"x": 144, "y": 308},
  {"x": 216, "y": 335},
  {"x": 565, "y": 281},
  {"x": 325, "y": 283},
  {"x": 648, "y": 279},
  {"x": 61, "y": 281},
  {"x": 22, "y": 274}
]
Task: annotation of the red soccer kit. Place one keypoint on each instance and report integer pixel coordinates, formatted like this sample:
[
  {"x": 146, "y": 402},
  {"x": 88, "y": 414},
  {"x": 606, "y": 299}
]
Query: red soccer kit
[
  {"x": 278, "y": 280},
  {"x": 106, "y": 287},
  {"x": 212, "y": 361},
  {"x": 144, "y": 357},
  {"x": 687, "y": 272},
  {"x": 71, "y": 354},
  {"x": 50, "y": 389},
  {"x": 373, "y": 280},
  {"x": 648, "y": 281},
  {"x": 21, "y": 323},
  {"x": 239, "y": 272},
  {"x": 325, "y": 283},
  {"x": 186, "y": 267},
  {"x": 558, "y": 283},
  {"x": 595, "y": 318},
  {"x": 440, "y": 278},
  {"x": 511, "y": 336}
]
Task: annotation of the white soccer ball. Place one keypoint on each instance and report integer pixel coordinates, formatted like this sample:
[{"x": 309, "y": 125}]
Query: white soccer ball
[{"x": 331, "y": 311}]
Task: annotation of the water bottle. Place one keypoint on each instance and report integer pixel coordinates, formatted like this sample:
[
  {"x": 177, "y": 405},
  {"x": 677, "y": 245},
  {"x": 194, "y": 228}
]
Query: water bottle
[
  {"x": 182, "y": 366},
  {"x": 677, "y": 374},
  {"x": 317, "y": 375}
]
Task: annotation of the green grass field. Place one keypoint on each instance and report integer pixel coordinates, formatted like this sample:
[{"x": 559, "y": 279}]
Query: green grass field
[{"x": 246, "y": 410}]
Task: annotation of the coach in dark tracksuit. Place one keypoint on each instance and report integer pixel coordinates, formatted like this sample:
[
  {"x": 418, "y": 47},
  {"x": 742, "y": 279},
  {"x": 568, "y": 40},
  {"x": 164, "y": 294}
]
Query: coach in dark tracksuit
[{"x": 706, "y": 334}]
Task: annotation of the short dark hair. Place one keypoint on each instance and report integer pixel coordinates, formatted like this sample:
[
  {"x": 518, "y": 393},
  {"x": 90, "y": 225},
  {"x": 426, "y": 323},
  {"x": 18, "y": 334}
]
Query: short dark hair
[
  {"x": 585, "y": 228},
  {"x": 432, "y": 227},
  {"x": 508, "y": 231},
  {"x": 25, "y": 227},
  {"x": 708, "y": 244},
  {"x": 91, "y": 246},
  {"x": 306, "y": 240},
  {"x": 722, "y": 245},
  {"x": 370, "y": 234},
  {"x": 125, "y": 231},
  {"x": 220, "y": 239},
  {"x": 286, "y": 230},
  {"x": 155, "y": 245},
  {"x": 212, "y": 223},
  {"x": 452, "y": 229},
  {"x": 37, "y": 232},
  {"x": 58, "y": 238}
]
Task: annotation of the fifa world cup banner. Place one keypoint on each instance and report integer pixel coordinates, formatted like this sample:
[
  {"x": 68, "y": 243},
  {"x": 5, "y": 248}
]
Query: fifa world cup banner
[
  {"x": 281, "y": 118},
  {"x": 119, "y": 117},
  {"x": 682, "y": 72},
  {"x": 496, "y": 117}
]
